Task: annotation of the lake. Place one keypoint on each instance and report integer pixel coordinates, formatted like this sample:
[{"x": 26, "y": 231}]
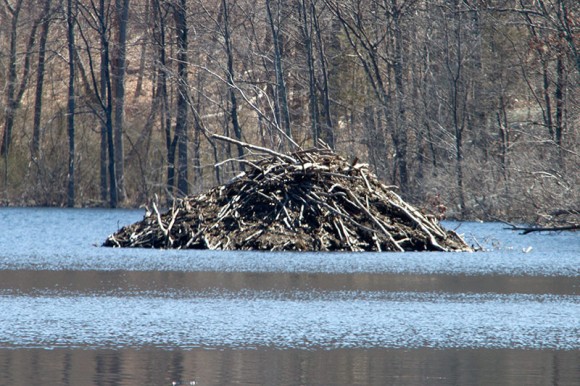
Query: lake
[{"x": 75, "y": 313}]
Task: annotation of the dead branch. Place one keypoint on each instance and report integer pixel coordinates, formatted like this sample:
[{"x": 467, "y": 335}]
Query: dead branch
[
  {"x": 254, "y": 147},
  {"x": 526, "y": 230},
  {"x": 310, "y": 199}
]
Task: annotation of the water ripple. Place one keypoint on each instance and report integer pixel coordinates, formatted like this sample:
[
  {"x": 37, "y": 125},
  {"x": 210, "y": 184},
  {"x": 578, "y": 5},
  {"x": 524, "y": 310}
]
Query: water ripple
[{"x": 296, "y": 320}]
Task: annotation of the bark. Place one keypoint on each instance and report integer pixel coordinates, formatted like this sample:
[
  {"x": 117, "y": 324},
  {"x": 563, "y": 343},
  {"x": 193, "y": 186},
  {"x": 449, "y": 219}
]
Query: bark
[
  {"x": 108, "y": 164},
  {"x": 71, "y": 103},
  {"x": 568, "y": 24},
  {"x": 401, "y": 122},
  {"x": 160, "y": 37},
  {"x": 35, "y": 150},
  {"x": 198, "y": 130},
  {"x": 547, "y": 111},
  {"x": 504, "y": 136},
  {"x": 143, "y": 55},
  {"x": 103, "y": 132},
  {"x": 328, "y": 129},
  {"x": 181, "y": 124},
  {"x": 281, "y": 94},
  {"x": 559, "y": 96},
  {"x": 306, "y": 31},
  {"x": 231, "y": 80},
  {"x": 457, "y": 91},
  {"x": 122, "y": 14},
  {"x": 11, "y": 82}
]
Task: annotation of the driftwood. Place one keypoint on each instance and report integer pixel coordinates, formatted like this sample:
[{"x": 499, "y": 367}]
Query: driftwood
[
  {"x": 526, "y": 230},
  {"x": 307, "y": 200},
  {"x": 557, "y": 220}
]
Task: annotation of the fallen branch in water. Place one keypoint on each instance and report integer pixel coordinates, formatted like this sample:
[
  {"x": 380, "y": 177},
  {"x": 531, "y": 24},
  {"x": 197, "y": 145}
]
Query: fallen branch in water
[{"x": 526, "y": 230}]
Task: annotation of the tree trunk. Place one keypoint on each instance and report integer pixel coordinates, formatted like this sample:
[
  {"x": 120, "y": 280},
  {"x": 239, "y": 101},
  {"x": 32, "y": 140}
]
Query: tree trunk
[
  {"x": 108, "y": 164},
  {"x": 230, "y": 77},
  {"x": 198, "y": 129},
  {"x": 569, "y": 22},
  {"x": 560, "y": 109},
  {"x": 11, "y": 82},
  {"x": 35, "y": 149},
  {"x": 504, "y": 136},
  {"x": 181, "y": 124},
  {"x": 104, "y": 186},
  {"x": 312, "y": 95},
  {"x": 458, "y": 99},
  {"x": 71, "y": 104},
  {"x": 160, "y": 27},
  {"x": 373, "y": 64},
  {"x": 142, "y": 57},
  {"x": 281, "y": 95},
  {"x": 547, "y": 100},
  {"x": 13, "y": 93},
  {"x": 122, "y": 14},
  {"x": 328, "y": 130},
  {"x": 401, "y": 121}
]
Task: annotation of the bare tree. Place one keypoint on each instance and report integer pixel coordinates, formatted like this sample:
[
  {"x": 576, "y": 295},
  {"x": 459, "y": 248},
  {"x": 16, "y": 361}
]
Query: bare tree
[
  {"x": 328, "y": 127},
  {"x": 15, "y": 89},
  {"x": 307, "y": 31},
  {"x": 274, "y": 21},
  {"x": 181, "y": 123},
  {"x": 119, "y": 72},
  {"x": 230, "y": 75},
  {"x": 45, "y": 25},
  {"x": 475, "y": 102},
  {"x": 367, "y": 40},
  {"x": 159, "y": 19},
  {"x": 71, "y": 21},
  {"x": 98, "y": 16},
  {"x": 107, "y": 144},
  {"x": 454, "y": 63}
]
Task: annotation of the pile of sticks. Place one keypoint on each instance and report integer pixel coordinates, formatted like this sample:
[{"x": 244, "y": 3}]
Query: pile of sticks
[{"x": 309, "y": 200}]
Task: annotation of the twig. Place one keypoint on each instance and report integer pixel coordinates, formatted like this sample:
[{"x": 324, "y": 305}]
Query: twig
[{"x": 257, "y": 148}]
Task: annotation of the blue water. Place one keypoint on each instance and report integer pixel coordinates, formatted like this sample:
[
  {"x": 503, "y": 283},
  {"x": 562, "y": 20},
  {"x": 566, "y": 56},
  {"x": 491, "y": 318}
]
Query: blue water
[
  {"x": 63, "y": 296},
  {"x": 307, "y": 321},
  {"x": 65, "y": 239}
]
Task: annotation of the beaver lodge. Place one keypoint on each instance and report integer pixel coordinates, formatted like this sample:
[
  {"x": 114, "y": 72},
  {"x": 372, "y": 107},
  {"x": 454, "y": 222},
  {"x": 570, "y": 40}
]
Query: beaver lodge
[{"x": 309, "y": 200}]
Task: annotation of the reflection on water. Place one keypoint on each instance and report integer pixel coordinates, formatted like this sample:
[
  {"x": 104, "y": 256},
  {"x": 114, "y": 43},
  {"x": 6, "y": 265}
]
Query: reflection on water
[
  {"x": 125, "y": 282},
  {"x": 150, "y": 366},
  {"x": 72, "y": 313}
]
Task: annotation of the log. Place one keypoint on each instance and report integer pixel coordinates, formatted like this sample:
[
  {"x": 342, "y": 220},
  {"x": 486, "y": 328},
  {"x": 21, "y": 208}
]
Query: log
[{"x": 526, "y": 230}]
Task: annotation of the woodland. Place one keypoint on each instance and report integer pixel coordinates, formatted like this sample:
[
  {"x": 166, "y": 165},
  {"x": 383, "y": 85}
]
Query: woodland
[{"x": 469, "y": 108}]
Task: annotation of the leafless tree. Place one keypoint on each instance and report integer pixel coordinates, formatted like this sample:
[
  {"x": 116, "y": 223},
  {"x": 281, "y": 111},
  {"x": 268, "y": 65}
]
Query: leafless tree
[{"x": 71, "y": 11}]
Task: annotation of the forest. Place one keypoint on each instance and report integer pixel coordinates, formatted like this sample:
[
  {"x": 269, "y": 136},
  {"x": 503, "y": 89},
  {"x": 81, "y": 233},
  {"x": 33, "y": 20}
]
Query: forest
[{"x": 471, "y": 108}]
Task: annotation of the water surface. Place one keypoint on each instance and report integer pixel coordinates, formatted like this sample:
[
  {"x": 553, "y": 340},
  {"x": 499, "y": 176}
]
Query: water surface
[{"x": 76, "y": 313}]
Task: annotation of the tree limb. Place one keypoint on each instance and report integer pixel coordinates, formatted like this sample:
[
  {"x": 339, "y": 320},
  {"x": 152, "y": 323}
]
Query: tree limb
[{"x": 256, "y": 148}]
